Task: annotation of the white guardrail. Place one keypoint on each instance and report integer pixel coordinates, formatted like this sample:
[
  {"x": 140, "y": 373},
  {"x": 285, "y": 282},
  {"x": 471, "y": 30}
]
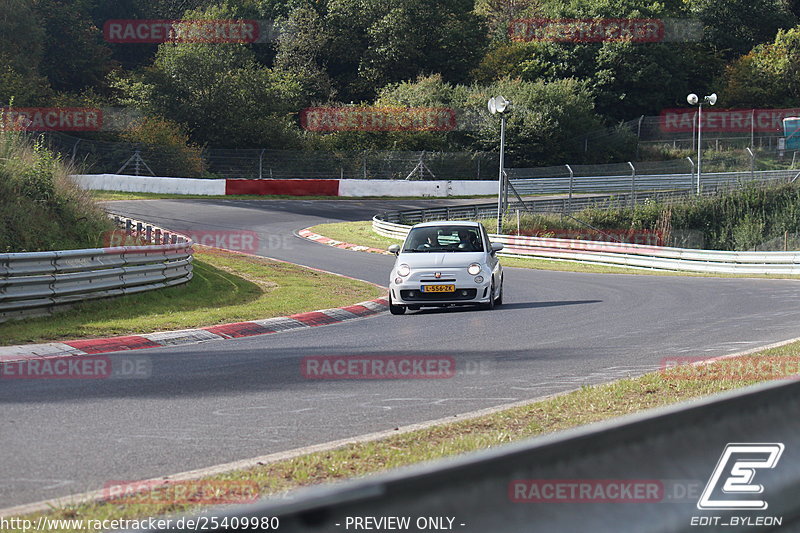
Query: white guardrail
[
  {"x": 33, "y": 283},
  {"x": 631, "y": 255}
]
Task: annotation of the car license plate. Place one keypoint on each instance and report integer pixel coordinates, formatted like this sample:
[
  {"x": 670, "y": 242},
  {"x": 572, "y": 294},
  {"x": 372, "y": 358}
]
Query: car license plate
[{"x": 438, "y": 288}]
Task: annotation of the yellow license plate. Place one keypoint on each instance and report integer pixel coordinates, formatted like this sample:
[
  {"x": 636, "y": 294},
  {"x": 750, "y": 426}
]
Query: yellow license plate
[{"x": 438, "y": 288}]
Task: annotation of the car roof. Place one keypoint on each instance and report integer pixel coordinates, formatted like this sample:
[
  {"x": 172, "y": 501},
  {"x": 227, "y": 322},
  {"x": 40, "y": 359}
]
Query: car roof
[{"x": 438, "y": 223}]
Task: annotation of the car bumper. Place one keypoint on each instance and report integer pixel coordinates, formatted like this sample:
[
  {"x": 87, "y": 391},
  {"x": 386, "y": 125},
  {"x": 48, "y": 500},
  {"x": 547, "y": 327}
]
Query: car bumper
[{"x": 411, "y": 293}]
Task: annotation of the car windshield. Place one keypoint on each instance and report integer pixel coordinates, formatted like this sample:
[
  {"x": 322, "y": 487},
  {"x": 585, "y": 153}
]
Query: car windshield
[{"x": 444, "y": 239}]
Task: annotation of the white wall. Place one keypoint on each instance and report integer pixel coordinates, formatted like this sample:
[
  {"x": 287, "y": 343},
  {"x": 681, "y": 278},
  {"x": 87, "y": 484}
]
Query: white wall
[
  {"x": 399, "y": 188},
  {"x": 113, "y": 182},
  {"x": 347, "y": 187}
]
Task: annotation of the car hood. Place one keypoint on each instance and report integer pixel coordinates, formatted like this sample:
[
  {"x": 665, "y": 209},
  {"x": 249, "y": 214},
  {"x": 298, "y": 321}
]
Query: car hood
[{"x": 440, "y": 259}]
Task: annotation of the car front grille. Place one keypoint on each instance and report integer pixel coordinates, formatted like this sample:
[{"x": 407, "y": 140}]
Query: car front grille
[{"x": 412, "y": 295}]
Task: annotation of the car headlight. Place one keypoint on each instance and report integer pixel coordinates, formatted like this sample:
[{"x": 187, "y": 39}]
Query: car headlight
[
  {"x": 403, "y": 270},
  {"x": 474, "y": 269}
]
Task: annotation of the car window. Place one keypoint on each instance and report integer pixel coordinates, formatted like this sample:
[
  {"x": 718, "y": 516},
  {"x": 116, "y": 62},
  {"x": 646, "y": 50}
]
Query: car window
[{"x": 444, "y": 239}]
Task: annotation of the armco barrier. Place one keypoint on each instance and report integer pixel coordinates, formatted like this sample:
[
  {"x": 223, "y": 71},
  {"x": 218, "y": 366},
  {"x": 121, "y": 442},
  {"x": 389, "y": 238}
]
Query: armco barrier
[
  {"x": 673, "y": 450},
  {"x": 34, "y": 283},
  {"x": 630, "y": 255}
]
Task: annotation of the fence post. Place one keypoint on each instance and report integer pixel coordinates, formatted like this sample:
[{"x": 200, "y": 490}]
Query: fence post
[
  {"x": 571, "y": 180},
  {"x": 691, "y": 176},
  {"x": 260, "y": 163},
  {"x": 752, "y": 164},
  {"x": 633, "y": 185},
  {"x": 74, "y": 150},
  {"x": 365, "y": 165}
]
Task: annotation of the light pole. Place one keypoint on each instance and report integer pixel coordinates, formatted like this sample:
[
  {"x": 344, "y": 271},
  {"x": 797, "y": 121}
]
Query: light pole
[
  {"x": 499, "y": 105},
  {"x": 694, "y": 100}
]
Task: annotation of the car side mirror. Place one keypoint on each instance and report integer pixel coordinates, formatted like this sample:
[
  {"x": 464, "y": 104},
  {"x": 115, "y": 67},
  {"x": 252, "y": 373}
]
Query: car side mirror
[
  {"x": 394, "y": 248},
  {"x": 497, "y": 246}
]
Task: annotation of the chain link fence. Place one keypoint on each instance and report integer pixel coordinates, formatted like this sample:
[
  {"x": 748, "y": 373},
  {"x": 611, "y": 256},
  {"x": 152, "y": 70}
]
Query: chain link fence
[{"x": 100, "y": 157}]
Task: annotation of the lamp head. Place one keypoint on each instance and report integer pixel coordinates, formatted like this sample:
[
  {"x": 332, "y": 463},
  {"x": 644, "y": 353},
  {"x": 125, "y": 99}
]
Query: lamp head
[
  {"x": 692, "y": 99},
  {"x": 712, "y": 99}
]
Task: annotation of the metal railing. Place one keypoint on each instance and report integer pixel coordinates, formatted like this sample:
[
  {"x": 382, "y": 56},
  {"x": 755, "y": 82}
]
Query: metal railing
[
  {"x": 630, "y": 255},
  {"x": 34, "y": 283},
  {"x": 671, "y": 450}
]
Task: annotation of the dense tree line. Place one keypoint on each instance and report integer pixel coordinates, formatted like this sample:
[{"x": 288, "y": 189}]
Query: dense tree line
[{"x": 453, "y": 53}]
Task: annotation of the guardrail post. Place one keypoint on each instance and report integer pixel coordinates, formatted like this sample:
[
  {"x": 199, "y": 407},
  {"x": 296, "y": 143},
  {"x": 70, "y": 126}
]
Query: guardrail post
[
  {"x": 571, "y": 181},
  {"x": 148, "y": 231},
  {"x": 633, "y": 185},
  {"x": 157, "y": 236},
  {"x": 128, "y": 226}
]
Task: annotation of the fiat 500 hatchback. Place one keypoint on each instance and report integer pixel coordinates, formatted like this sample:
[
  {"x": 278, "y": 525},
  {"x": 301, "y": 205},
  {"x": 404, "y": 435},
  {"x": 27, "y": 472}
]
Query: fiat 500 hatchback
[{"x": 445, "y": 263}]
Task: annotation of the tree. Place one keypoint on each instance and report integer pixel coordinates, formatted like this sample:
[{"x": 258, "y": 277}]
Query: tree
[
  {"x": 768, "y": 76},
  {"x": 735, "y": 26},
  {"x": 218, "y": 91},
  {"x": 86, "y": 61}
]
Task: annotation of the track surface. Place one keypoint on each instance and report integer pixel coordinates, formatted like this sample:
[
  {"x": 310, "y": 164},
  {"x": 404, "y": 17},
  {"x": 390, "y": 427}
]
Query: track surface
[{"x": 221, "y": 401}]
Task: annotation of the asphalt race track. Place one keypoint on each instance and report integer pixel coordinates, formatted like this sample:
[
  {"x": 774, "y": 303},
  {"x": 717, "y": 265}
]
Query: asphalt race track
[{"x": 222, "y": 401}]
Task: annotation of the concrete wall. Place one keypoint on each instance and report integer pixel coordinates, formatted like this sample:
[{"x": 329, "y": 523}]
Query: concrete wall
[
  {"x": 294, "y": 187},
  {"x": 401, "y": 188},
  {"x": 114, "y": 182}
]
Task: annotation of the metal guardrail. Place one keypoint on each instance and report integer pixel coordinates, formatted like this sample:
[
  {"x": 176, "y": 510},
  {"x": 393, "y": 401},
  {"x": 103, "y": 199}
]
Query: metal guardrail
[
  {"x": 630, "y": 255},
  {"x": 565, "y": 184},
  {"x": 33, "y": 283},
  {"x": 673, "y": 449}
]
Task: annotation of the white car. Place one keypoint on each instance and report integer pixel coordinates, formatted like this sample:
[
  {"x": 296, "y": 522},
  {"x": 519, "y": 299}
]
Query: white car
[{"x": 445, "y": 263}]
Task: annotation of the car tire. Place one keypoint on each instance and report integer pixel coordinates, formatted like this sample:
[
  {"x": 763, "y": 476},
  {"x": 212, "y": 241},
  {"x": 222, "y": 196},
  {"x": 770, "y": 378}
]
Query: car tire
[
  {"x": 489, "y": 306},
  {"x": 395, "y": 309},
  {"x": 499, "y": 300}
]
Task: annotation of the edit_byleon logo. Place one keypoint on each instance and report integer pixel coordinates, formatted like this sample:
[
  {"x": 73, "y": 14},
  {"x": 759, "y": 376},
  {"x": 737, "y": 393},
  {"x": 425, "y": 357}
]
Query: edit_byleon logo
[{"x": 731, "y": 484}]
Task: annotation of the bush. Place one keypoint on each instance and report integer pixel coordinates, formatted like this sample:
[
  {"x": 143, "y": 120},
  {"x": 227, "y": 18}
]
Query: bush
[
  {"x": 41, "y": 208},
  {"x": 166, "y": 147}
]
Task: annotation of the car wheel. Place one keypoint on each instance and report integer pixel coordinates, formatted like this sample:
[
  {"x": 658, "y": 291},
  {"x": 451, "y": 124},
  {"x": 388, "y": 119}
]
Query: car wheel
[
  {"x": 499, "y": 300},
  {"x": 489, "y": 306},
  {"x": 395, "y": 309}
]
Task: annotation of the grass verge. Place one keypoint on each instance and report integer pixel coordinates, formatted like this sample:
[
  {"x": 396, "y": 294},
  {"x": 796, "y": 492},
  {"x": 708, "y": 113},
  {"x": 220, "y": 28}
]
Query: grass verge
[
  {"x": 361, "y": 233},
  {"x": 586, "y": 405},
  {"x": 226, "y": 287}
]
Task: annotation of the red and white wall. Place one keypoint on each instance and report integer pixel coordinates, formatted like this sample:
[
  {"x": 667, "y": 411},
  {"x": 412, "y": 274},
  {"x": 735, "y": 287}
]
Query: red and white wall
[{"x": 290, "y": 187}]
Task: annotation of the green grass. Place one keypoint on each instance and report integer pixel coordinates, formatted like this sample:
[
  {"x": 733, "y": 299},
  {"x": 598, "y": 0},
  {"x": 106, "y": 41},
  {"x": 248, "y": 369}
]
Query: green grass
[
  {"x": 356, "y": 233},
  {"x": 114, "y": 195},
  {"x": 584, "y": 406},
  {"x": 226, "y": 288},
  {"x": 41, "y": 208}
]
